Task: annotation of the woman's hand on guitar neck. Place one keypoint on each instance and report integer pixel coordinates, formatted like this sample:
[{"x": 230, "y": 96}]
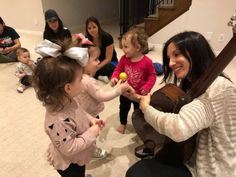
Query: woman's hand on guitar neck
[{"x": 144, "y": 101}]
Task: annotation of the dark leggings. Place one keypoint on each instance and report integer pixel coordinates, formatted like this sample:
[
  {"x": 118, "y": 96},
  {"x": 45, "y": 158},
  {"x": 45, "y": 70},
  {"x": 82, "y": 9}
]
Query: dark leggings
[
  {"x": 73, "y": 170},
  {"x": 106, "y": 70},
  {"x": 125, "y": 105},
  {"x": 154, "y": 168},
  {"x": 26, "y": 80}
]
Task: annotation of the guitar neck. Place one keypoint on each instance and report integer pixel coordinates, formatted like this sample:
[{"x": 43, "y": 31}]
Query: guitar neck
[{"x": 214, "y": 70}]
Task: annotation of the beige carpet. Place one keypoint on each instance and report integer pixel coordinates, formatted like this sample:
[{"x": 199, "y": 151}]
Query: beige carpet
[{"x": 22, "y": 139}]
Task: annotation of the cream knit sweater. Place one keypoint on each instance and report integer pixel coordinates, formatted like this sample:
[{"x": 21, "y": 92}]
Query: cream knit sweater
[{"x": 213, "y": 115}]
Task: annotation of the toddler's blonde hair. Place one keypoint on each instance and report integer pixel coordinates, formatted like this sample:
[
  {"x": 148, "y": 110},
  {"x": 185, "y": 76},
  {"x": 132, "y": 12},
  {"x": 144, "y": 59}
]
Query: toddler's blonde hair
[{"x": 137, "y": 37}]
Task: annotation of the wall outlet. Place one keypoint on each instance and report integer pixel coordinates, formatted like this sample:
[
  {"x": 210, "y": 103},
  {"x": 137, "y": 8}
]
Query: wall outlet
[
  {"x": 209, "y": 36},
  {"x": 36, "y": 22},
  {"x": 221, "y": 37}
]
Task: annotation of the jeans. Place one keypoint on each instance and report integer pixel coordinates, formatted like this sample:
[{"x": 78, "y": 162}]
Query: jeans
[{"x": 10, "y": 57}]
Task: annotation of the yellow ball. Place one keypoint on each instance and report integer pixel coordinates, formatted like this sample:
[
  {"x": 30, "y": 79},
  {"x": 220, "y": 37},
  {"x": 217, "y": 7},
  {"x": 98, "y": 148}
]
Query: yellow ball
[{"x": 123, "y": 76}]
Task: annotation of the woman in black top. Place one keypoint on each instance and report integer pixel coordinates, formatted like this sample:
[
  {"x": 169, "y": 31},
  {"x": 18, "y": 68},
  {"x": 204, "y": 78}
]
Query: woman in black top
[
  {"x": 54, "y": 29},
  {"x": 108, "y": 58}
]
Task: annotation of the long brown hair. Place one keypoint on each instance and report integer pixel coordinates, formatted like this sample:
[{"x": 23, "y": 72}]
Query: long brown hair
[{"x": 50, "y": 77}]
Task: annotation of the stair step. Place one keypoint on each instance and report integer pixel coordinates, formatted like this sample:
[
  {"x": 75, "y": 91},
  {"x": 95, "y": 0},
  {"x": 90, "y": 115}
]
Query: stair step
[
  {"x": 141, "y": 25},
  {"x": 153, "y": 16},
  {"x": 166, "y": 7},
  {"x": 165, "y": 16}
]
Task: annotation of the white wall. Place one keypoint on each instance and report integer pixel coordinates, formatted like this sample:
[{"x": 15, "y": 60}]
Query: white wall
[
  {"x": 203, "y": 16},
  {"x": 28, "y": 15},
  {"x": 75, "y": 12},
  {"x": 23, "y": 15}
]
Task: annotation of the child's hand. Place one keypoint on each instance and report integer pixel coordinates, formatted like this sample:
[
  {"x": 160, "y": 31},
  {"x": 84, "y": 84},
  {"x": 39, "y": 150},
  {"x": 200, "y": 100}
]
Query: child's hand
[
  {"x": 20, "y": 75},
  {"x": 132, "y": 95},
  {"x": 143, "y": 92},
  {"x": 30, "y": 63},
  {"x": 123, "y": 86},
  {"x": 113, "y": 82},
  {"x": 99, "y": 122},
  {"x": 95, "y": 129},
  {"x": 1, "y": 50},
  {"x": 6, "y": 50}
]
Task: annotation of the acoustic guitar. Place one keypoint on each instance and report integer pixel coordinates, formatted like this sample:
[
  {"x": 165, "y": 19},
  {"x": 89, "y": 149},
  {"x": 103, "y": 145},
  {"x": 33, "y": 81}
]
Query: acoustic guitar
[{"x": 171, "y": 98}]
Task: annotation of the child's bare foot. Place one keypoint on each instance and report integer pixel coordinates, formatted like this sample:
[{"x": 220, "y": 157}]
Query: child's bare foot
[{"x": 121, "y": 128}]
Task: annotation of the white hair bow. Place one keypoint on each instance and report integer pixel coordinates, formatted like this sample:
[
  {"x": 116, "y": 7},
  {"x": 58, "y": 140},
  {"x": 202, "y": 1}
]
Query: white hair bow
[{"x": 48, "y": 48}]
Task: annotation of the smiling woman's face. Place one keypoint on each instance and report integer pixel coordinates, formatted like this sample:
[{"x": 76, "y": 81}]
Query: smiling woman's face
[
  {"x": 92, "y": 29},
  {"x": 177, "y": 62}
]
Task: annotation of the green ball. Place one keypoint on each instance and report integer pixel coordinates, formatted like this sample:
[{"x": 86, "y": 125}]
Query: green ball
[{"x": 123, "y": 76}]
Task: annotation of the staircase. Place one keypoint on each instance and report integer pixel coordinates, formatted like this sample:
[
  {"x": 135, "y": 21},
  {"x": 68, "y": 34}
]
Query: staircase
[
  {"x": 166, "y": 11},
  {"x": 153, "y": 24}
]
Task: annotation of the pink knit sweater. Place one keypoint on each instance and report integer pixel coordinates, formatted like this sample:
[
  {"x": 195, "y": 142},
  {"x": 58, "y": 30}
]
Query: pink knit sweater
[
  {"x": 141, "y": 74},
  {"x": 72, "y": 140}
]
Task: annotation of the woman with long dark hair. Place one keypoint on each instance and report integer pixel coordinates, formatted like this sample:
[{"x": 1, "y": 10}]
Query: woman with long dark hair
[
  {"x": 212, "y": 115},
  {"x": 103, "y": 40}
]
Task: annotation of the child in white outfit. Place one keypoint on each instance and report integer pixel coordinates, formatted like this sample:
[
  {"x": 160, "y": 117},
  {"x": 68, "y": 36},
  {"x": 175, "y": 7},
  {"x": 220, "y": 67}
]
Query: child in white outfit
[{"x": 24, "y": 69}]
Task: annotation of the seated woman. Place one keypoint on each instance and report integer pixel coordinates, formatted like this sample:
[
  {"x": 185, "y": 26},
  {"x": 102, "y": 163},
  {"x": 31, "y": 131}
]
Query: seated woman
[
  {"x": 108, "y": 58},
  {"x": 212, "y": 115},
  {"x": 9, "y": 43},
  {"x": 54, "y": 29}
]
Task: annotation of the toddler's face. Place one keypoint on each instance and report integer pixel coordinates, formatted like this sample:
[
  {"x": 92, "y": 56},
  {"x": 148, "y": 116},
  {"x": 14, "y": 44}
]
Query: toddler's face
[
  {"x": 128, "y": 48},
  {"x": 92, "y": 65},
  {"x": 24, "y": 57}
]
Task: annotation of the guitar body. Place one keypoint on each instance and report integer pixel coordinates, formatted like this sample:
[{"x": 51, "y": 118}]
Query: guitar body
[{"x": 166, "y": 99}]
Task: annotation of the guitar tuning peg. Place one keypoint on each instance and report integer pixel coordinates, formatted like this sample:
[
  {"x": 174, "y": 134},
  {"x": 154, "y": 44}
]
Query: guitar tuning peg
[
  {"x": 233, "y": 17},
  {"x": 232, "y": 21}
]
